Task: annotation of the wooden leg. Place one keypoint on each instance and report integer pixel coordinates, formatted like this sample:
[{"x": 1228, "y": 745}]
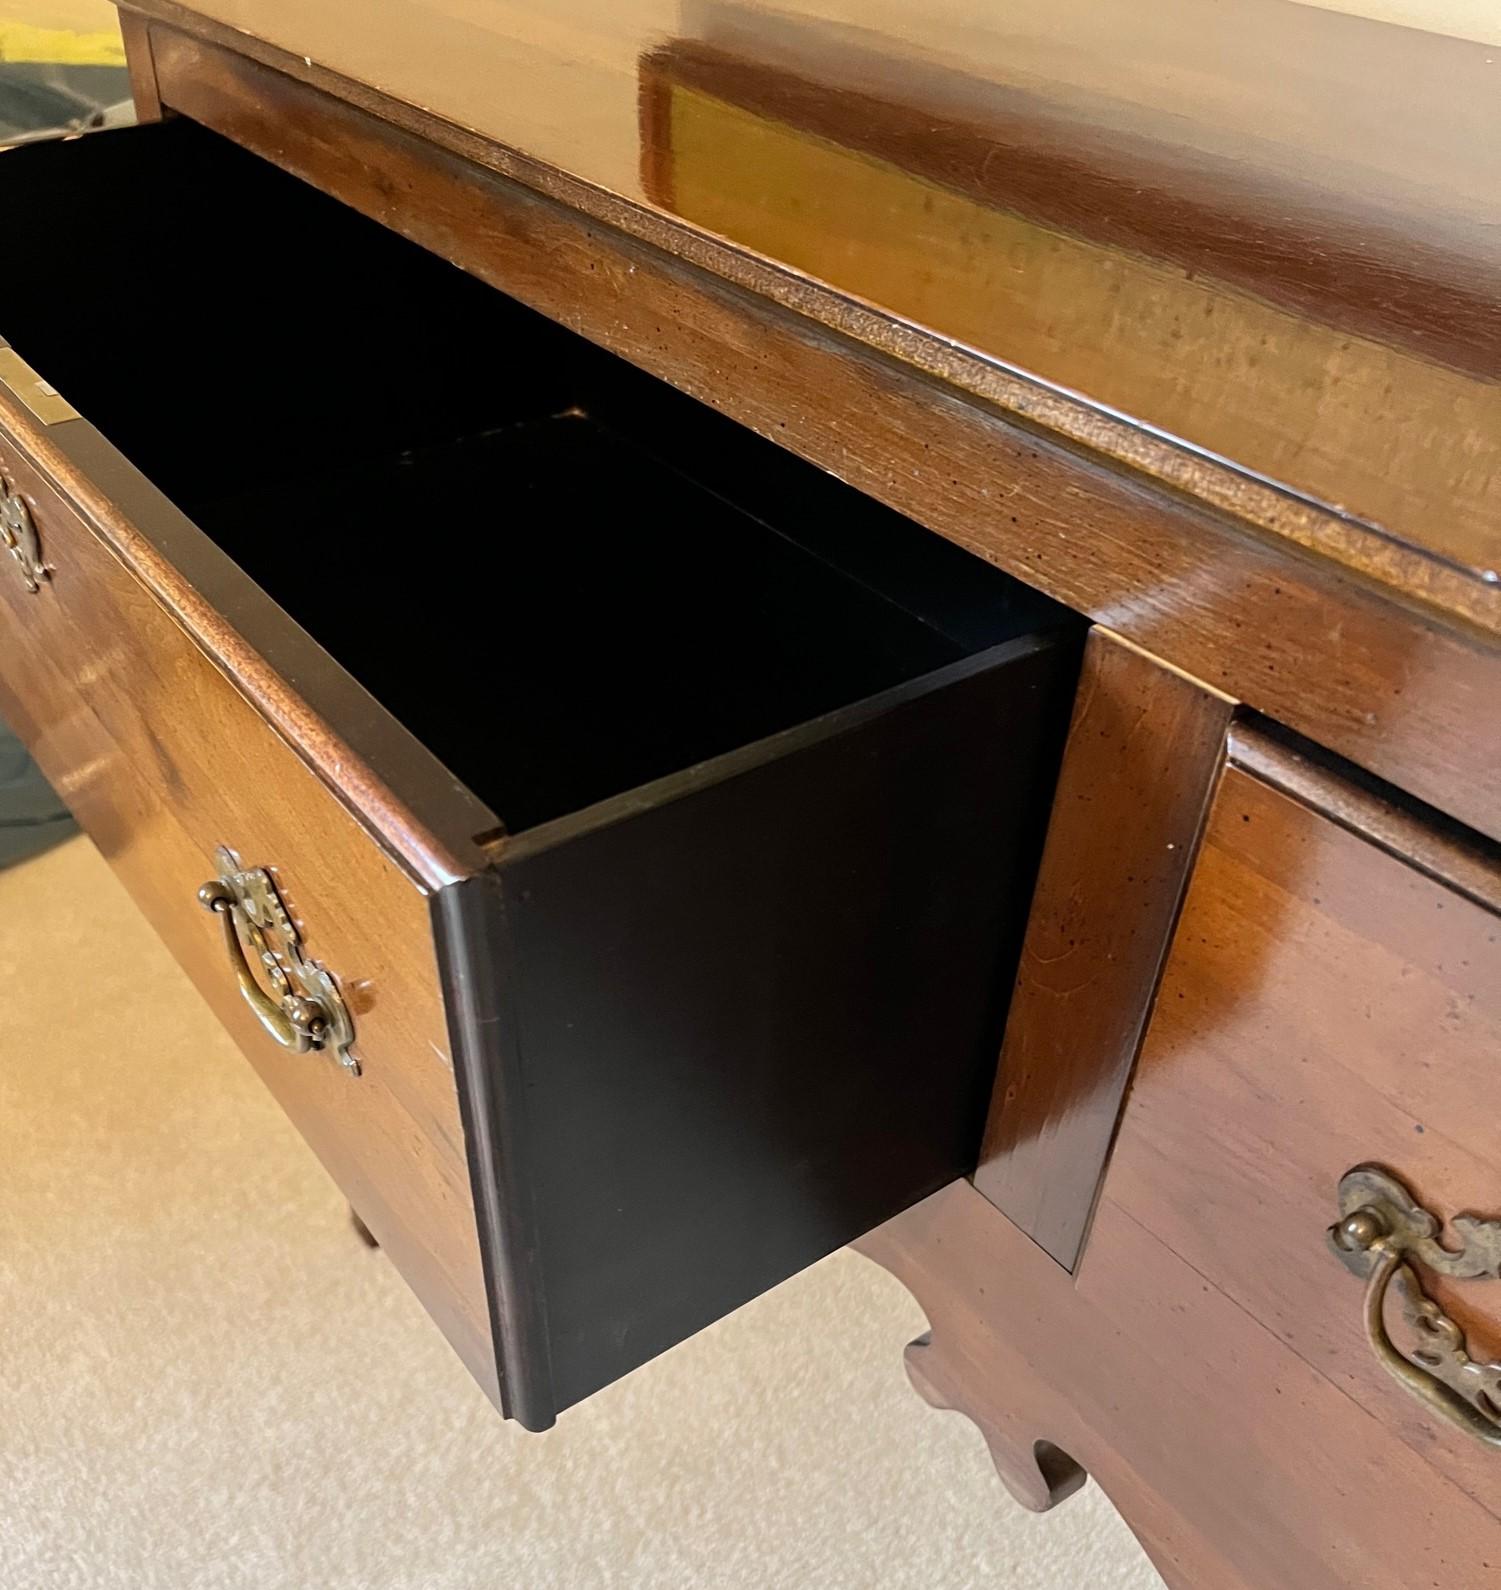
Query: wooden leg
[
  {"x": 1236, "y": 1461},
  {"x": 362, "y": 1230},
  {"x": 1019, "y": 1353},
  {"x": 1037, "y": 1473}
]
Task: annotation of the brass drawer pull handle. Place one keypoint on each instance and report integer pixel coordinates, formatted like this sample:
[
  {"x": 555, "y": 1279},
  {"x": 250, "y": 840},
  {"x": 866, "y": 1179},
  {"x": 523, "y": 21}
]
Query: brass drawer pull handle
[
  {"x": 1381, "y": 1232},
  {"x": 18, "y": 536},
  {"x": 304, "y": 1010}
]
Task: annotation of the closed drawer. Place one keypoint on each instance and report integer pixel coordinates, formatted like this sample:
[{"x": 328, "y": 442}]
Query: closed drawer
[
  {"x": 1333, "y": 1001},
  {"x": 662, "y": 814}
]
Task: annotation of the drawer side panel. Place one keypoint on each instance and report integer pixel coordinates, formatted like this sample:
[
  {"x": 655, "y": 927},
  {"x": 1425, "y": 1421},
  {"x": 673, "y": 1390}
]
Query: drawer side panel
[{"x": 757, "y": 1014}]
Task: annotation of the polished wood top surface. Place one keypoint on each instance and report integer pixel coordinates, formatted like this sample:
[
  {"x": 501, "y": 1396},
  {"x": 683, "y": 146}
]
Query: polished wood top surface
[{"x": 1267, "y": 233}]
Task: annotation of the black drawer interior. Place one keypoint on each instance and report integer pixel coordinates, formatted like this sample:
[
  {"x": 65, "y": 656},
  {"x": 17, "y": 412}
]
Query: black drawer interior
[
  {"x": 773, "y": 763},
  {"x": 567, "y": 579}
]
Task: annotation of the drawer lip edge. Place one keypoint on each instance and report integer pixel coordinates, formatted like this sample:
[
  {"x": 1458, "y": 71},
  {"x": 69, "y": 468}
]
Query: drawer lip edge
[
  {"x": 783, "y": 742},
  {"x": 474, "y": 960},
  {"x": 178, "y": 563},
  {"x": 1427, "y": 840}
]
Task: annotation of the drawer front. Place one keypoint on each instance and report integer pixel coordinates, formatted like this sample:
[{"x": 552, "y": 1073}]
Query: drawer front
[
  {"x": 1328, "y": 1004},
  {"x": 163, "y": 760}
]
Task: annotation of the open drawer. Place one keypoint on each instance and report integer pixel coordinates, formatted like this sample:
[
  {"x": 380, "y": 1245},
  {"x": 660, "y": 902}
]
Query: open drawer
[{"x": 616, "y": 834}]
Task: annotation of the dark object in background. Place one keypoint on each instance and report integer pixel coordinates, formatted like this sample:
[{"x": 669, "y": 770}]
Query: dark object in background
[{"x": 32, "y": 818}]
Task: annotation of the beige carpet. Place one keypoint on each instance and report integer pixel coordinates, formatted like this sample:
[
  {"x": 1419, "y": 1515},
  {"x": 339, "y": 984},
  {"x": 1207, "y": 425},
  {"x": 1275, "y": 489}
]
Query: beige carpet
[{"x": 207, "y": 1381}]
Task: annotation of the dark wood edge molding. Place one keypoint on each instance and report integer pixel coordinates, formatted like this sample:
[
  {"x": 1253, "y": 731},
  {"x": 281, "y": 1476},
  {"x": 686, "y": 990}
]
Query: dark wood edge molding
[
  {"x": 1379, "y": 553},
  {"x": 139, "y": 63},
  {"x": 1143, "y": 758},
  {"x": 474, "y": 958},
  {"x": 283, "y": 672},
  {"x": 1378, "y": 678},
  {"x": 742, "y": 759},
  {"x": 1428, "y": 840}
]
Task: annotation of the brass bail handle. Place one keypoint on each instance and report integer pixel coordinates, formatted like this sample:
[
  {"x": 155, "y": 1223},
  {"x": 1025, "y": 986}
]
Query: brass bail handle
[
  {"x": 1382, "y": 1233},
  {"x": 296, "y": 1023},
  {"x": 19, "y": 538},
  {"x": 304, "y": 1010}
]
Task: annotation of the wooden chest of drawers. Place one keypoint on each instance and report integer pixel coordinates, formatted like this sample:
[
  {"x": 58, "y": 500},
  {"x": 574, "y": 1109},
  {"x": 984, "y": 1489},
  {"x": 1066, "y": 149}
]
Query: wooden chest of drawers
[{"x": 1018, "y": 785}]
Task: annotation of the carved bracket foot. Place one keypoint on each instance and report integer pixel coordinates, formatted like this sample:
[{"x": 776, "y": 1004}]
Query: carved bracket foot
[{"x": 1037, "y": 1473}]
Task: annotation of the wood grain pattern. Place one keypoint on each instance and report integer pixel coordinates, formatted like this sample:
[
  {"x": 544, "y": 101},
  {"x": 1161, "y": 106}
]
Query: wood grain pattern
[
  {"x": 1143, "y": 753},
  {"x": 1238, "y": 1464},
  {"x": 1421, "y": 837},
  {"x": 1326, "y": 1005},
  {"x": 1380, "y": 681},
  {"x": 1117, "y": 266},
  {"x": 1283, "y": 114},
  {"x": 1014, "y": 159},
  {"x": 142, "y": 68},
  {"x": 162, "y": 759},
  {"x": 1326, "y": 1002}
]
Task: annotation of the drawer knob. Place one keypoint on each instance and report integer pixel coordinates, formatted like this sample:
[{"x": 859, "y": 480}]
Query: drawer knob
[
  {"x": 18, "y": 536},
  {"x": 303, "y": 1009},
  {"x": 1382, "y": 1233}
]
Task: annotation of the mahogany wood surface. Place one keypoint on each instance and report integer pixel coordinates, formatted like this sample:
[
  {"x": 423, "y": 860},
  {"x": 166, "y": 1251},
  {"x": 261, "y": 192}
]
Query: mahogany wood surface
[
  {"x": 1276, "y": 222},
  {"x": 162, "y": 759},
  {"x": 1143, "y": 753},
  {"x": 142, "y": 69},
  {"x": 1385, "y": 683},
  {"x": 1326, "y": 1003},
  {"x": 1237, "y": 1464}
]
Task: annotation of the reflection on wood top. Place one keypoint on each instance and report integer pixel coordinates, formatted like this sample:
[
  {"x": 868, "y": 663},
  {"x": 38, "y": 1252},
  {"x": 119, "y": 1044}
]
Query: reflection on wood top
[{"x": 1180, "y": 231}]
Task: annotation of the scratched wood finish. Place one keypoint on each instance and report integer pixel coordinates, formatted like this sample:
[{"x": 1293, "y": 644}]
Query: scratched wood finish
[
  {"x": 1143, "y": 751},
  {"x": 1379, "y": 680},
  {"x": 162, "y": 759},
  {"x": 1292, "y": 152},
  {"x": 1328, "y": 1001}
]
